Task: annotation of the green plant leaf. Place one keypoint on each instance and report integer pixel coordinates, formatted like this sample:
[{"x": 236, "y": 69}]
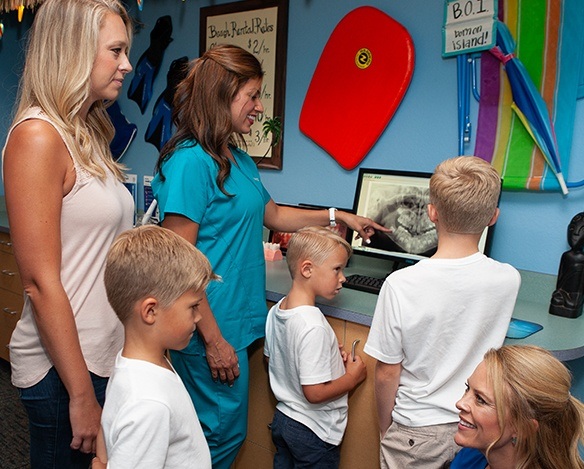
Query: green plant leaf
[{"x": 273, "y": 125}]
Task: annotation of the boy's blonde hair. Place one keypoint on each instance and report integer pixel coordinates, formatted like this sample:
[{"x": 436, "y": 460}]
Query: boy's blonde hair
[
  {"x": 315, "y": 243},
  {"x": 465, "y": 191},
  {"x": 151, "y": 261}
]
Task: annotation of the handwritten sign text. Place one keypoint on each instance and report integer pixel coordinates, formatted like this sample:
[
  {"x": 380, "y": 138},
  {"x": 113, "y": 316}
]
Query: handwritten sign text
[{"x": 469, "y": 26}]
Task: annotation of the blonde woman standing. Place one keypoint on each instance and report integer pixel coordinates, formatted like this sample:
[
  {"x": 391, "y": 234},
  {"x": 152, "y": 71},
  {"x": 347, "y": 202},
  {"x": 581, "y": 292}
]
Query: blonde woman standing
[{"x": 66, "y": 204}]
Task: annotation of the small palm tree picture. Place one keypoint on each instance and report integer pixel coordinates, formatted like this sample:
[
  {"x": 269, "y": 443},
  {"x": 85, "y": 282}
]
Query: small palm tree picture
[{"x": 272, "y": 125}]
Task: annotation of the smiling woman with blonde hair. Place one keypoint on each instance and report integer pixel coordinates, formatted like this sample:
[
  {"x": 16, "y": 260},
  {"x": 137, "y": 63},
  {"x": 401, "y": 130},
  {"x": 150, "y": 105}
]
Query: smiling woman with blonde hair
[{"x": 517, "y": 412}]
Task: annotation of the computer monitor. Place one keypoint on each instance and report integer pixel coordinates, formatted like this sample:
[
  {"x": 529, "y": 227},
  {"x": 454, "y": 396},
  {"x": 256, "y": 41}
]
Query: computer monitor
[{"x": 398, "y": 200}]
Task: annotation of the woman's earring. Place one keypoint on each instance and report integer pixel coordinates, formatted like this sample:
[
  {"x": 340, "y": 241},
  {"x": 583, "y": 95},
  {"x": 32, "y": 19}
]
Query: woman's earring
[{"x": 514, "y": 440}]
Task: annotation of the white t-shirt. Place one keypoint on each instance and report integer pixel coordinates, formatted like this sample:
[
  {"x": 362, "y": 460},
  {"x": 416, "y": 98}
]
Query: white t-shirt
[
  {"x": 438, "y": 318},
  {"x": 303, "y": 350},
  {"x": 149, "y": 421}
]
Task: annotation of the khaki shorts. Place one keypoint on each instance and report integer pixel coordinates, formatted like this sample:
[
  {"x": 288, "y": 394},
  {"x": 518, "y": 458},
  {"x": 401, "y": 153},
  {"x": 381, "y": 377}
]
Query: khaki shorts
[{"x": 428, "y": 447}]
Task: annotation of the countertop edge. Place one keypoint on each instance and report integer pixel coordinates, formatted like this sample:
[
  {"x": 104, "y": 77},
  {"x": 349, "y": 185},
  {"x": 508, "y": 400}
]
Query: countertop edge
[{"x": 330, "y": 311}]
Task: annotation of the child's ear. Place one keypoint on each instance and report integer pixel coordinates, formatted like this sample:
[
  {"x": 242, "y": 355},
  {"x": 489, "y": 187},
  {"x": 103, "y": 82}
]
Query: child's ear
[
  {"x": 495, "y": 217},
  {"x": 148, "y": 308},
  {"x": 432, "y": 213},
  {"x": 306, "y": 268}
]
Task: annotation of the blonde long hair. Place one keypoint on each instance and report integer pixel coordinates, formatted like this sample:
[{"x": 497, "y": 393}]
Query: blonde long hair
[
  {"x": 61, "y": 50},
  {"x": 531, "y": 385}
]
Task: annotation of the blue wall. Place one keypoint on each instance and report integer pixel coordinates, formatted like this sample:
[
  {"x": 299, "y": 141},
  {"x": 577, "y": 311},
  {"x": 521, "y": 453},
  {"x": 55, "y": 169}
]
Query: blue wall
[{"x": 531, "y": 232}]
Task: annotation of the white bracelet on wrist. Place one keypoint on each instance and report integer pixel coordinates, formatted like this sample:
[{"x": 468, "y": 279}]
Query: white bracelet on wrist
[{"x": 332, "y": 217}]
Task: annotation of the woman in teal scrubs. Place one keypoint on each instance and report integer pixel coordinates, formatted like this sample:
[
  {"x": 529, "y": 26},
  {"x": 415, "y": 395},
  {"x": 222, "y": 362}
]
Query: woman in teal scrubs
[{"x": 209, "y": 191}]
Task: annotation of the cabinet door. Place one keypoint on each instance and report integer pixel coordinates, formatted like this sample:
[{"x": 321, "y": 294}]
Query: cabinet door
[
  {"x": 5, "y": 243},
  {"x": 9, "y": 276},
  {"x": 258, "y": 450},
  {"x": 10, "y": 309},
  {"x": 360, "y": 447}
]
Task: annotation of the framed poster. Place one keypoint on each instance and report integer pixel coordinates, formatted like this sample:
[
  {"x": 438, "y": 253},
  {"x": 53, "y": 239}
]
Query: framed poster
[{"x": 261, "y": 27}]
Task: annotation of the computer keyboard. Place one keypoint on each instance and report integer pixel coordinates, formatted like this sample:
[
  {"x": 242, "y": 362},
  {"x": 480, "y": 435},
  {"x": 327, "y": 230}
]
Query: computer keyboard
[{"x": 364, "y": 283}]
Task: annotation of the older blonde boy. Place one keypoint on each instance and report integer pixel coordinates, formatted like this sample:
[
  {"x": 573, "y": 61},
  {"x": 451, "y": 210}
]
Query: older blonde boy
[
  {"x": 155, "y": 281},
  {"x": 309, "y": 375},
  {"x": 435, "y": 320}
]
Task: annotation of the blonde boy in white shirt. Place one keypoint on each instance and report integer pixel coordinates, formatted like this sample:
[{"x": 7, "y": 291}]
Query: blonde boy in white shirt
[
  {"x": 435, "y": 320},
  {"x": 309, "y": 375},
  {"x": 155, "y": 281}
]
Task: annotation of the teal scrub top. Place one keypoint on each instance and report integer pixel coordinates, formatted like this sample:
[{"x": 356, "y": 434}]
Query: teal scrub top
[{"x": 230, "y": 235}]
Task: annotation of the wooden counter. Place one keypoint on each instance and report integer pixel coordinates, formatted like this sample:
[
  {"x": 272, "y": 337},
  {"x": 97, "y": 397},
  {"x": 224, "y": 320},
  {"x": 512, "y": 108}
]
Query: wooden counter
[{"x": 11, "y": 293}]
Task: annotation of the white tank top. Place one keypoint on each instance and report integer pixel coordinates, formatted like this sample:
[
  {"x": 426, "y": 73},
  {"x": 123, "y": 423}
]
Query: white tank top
[{"x": 93, "y": 214}]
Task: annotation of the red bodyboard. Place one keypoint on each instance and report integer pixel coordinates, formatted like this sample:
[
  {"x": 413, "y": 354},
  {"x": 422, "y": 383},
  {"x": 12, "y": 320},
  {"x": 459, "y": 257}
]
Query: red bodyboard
[{"x": 361, "y": 77}]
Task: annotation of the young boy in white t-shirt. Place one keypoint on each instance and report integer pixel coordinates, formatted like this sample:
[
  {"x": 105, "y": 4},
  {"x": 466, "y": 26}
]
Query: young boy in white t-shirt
[
  {"x": 155, "y": 281},
  {"x": 309, "y": 375},
  {"x": 435, "y": 320}
]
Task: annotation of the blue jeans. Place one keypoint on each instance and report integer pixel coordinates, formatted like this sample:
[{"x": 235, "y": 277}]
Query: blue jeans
[
  {"x": 47, "y": 406},
  {"x": 297, "y": 446}
]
